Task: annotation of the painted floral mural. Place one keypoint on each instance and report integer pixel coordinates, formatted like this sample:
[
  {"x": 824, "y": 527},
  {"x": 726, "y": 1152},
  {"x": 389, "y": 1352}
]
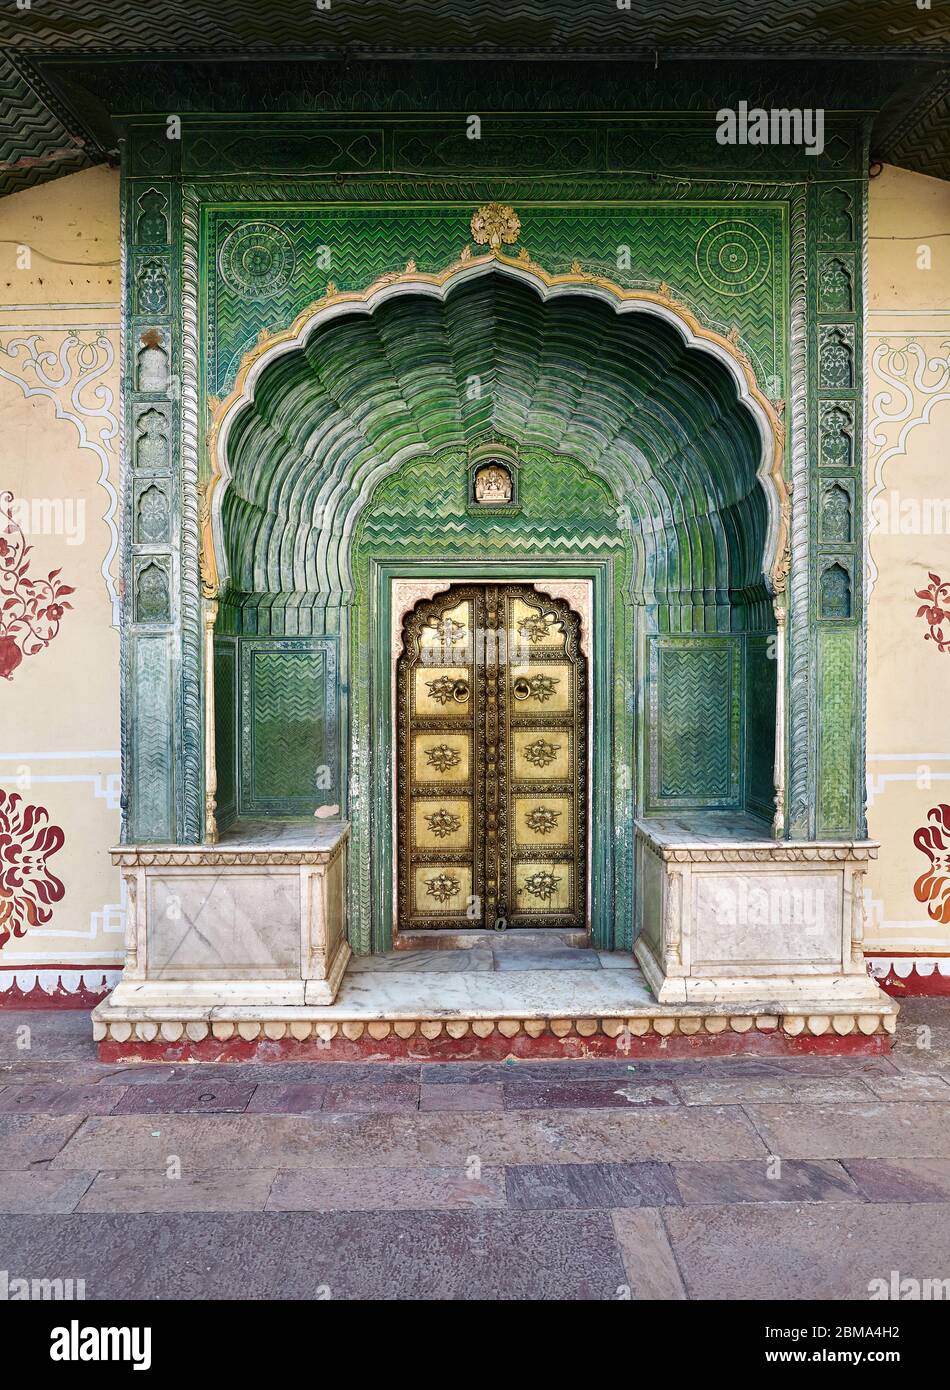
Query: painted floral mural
[
  {"x": 933, "y": 886},
  {"x": 27, "y": 887},
  {"x": 936, "y": 611},
  {"x": 30, "y": 609}
]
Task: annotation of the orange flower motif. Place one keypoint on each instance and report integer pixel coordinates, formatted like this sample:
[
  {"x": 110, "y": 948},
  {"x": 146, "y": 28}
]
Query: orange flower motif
[{"x": 27, "y": 888}]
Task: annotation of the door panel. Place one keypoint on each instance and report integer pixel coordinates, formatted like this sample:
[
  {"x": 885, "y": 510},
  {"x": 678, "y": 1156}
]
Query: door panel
[{"x": 491, "y": 761}]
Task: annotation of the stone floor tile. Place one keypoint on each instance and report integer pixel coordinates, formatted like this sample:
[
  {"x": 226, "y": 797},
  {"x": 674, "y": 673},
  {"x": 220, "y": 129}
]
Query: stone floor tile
[
  {"x": 620, "y": 1094},
  {"x": 902, "y": 1180},
  {"x": 883, "y": 1129},
  {"x": 709, "y": 1090},
  {"x": 39, "y": 1072},
  {"x": 923, "y": 1061},
  {"x": 804, "y": 1251},
  {"x": 258, "y": 1073},
  {"x": 60, "y": 1100},
  {"x": 924, "y": 1012},
  {"x": 443, "y": 1139},
  {"x": 138, "y": 1191},
  {"x": 744, "y": 1180},
  {"x": 200, "y": 1098},
  {"x": 476, "y": 1255},
  {"x": 617, "y": 960},
  {"x": 566, "y": 958},
  {"x": 41, "y": 1190},
  {"x": 478, "y": 958},
  {"x": 179, "y": 1255},
  {"x": 910, "y": 1086},
  {"x": 54, "y": 1034},
  {"x": 296, "y": 1098},
  {"x": 387, "y": 1189},
  {"x": 579, "y": 1186},
  {"x": 649, "y": 1264},
  {"x": 26, "y": 1139},
  {"x": 381, "y": 1097},
  {"x": 484, "y": 1095}
]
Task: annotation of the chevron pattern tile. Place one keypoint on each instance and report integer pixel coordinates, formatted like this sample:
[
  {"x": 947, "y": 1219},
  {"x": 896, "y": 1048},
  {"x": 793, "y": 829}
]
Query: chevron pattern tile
[
  {"x": 244, "y": 26},
  {"x": 34, "y": 143}
]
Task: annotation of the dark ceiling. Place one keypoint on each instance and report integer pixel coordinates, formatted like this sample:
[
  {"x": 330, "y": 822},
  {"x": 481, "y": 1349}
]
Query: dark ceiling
[{"x": 45, "y": 132}]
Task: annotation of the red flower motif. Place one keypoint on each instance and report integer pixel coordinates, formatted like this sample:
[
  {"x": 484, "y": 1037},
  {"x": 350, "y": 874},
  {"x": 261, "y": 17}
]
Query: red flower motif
[
  {"x": 935, "y": 616},
  {"x": 933, "y": 886},
  {"x": 10, "y": 657},
  {"x": 27, "y": 887},
  {"x": 30, "y": 609}
]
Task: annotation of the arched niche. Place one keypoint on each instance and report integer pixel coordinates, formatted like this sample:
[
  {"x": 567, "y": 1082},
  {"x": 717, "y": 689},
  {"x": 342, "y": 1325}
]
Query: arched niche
[{"x": 389, "y": 394}]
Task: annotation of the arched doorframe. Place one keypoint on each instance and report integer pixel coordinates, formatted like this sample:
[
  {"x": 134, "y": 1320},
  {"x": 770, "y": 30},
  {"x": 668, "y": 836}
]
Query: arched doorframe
[{"x": 660, "y": 304}]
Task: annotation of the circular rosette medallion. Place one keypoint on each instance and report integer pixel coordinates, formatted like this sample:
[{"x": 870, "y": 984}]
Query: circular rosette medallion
[
  {"x": 733, "y": 257},
  {"x": 257, "y": 260}
]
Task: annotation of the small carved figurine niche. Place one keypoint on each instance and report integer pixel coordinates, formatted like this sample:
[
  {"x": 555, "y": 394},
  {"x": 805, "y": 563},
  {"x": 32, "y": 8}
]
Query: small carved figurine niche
[
  {"x": 492, "y": 485},
  {"x": 152, "y": 226},
  {"x": 151, "y": 595},
  {"x": 837, "y": 437},
  {"x": 151, "y": 288},
  {"x": 152, "y": 515},
  {"x": 151, "y": 362},
  {"x": 151, "y": 440},
  {"x": 837, "y": 359},
  {"x": 835, "y": 220},
  {"x": 835, "y": 592},
  {"x": 834, "y": 286},
  {"x": 835, "y": 517}
]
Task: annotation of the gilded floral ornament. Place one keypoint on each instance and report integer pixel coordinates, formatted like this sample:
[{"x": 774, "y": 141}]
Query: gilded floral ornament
[
  {"x": 442, "y": 757},
  {"x": 443, "y": 823},
  {"x": 542, "y": 884},
  {"x": 542, "y": 820},
  {"x": 538, "y": 627},
  {"x": 443, "y": 887},
  {"x": 495, "y": 223},
  {"x": 540, "y": 753}
]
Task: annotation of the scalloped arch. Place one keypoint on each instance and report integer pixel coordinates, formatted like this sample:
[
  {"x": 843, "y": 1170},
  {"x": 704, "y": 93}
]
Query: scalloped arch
[{"x": 629, "y": 383}]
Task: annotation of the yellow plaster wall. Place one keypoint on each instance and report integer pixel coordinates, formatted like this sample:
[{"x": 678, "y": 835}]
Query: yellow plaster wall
[
  {"x": 59, "y": 392},
  {"x": 908, "y": 470}
]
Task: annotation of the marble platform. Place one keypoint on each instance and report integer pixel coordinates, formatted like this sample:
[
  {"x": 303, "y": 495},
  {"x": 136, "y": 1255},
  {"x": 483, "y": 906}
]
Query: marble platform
[
  {"x": 266, "y": 903},
  {"x": 253, "y": 962},
  {"x": 394, "y": 1011},
  {"x": 726, "y": 913}
]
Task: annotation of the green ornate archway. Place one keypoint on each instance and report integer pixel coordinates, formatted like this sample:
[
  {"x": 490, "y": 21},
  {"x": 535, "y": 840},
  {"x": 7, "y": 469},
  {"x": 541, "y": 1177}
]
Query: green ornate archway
[{"x": 650, "y": 463}]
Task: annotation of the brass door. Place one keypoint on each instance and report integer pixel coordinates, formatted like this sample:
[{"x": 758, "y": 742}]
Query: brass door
[{"x": 492, "y": 761}]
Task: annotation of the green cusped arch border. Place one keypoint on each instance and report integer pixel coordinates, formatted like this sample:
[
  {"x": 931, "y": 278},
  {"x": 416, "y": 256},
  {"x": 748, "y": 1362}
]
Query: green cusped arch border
[{"x": 270, "y": 348}]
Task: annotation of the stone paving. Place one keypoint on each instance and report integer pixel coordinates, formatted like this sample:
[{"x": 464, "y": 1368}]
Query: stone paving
[{"x": 741, "y": 1178}]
